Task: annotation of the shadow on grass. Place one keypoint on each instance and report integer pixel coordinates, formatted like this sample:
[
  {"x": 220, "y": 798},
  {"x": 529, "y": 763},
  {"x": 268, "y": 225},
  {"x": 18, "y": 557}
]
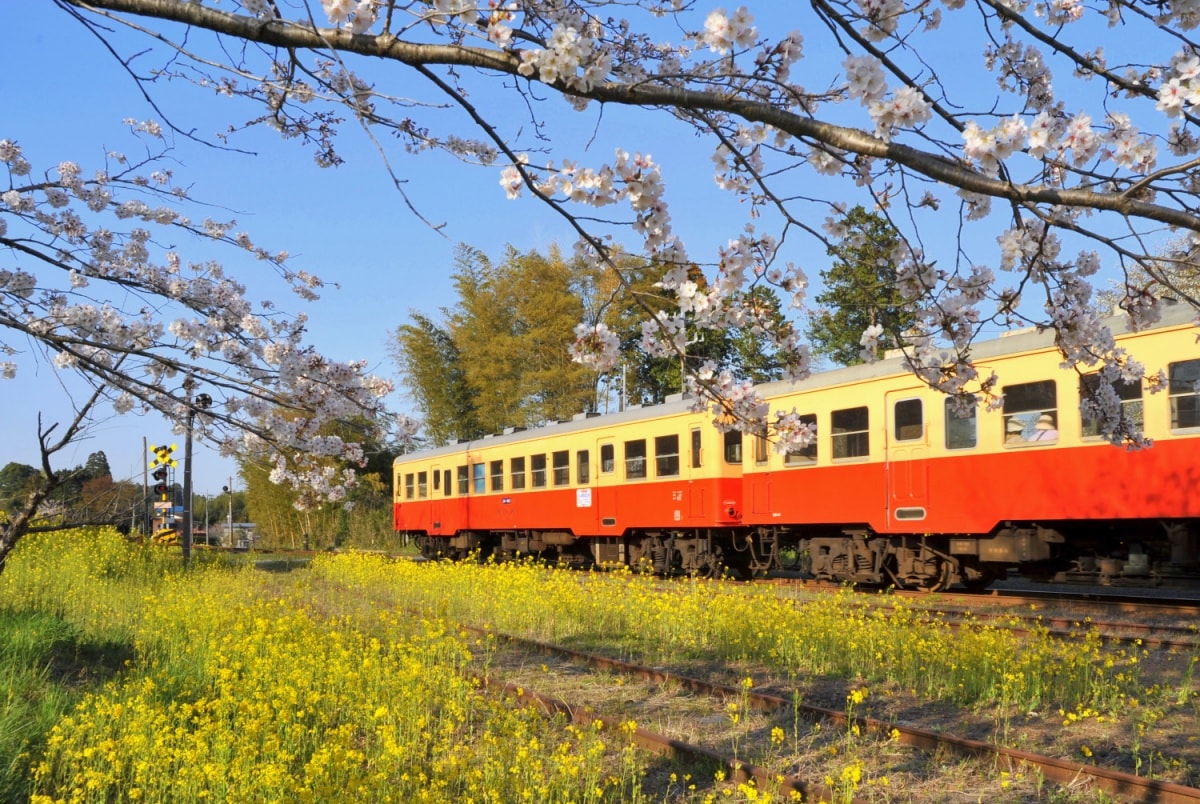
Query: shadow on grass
[{"x": 46, "y": 666}]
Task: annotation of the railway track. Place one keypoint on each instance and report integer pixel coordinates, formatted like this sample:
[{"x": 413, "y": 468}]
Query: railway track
[
  {"x": 1117, "y": 784},
  {"x": 1162, "y": 622},
  {"x": 735, "y": 770}
]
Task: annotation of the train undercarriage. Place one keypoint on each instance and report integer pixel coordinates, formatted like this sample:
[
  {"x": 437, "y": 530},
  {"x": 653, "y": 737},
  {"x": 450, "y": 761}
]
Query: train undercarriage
[{"x": 1104, "y": 553}]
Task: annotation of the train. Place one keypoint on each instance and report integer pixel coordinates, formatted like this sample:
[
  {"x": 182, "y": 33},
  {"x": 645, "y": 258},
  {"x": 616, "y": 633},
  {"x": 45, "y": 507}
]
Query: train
[{"x": 899, "y": 487}]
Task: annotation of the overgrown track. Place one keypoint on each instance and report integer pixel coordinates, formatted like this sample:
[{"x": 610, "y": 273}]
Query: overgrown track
[
  {"x": 1119, "y": 784},
  {"x": 735, "y": 769}
]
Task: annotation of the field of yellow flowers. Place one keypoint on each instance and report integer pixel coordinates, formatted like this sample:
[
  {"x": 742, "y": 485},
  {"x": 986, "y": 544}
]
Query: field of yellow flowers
[
  {"x": 246, "y": 686},
  {"x": 130, "y": 678}
]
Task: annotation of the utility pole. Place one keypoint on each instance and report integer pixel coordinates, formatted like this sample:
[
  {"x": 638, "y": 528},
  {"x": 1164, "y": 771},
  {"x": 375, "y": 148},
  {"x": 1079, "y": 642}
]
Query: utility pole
[
  {"x": 202, "y": 402},
  {"x": 229, "y": 522}
]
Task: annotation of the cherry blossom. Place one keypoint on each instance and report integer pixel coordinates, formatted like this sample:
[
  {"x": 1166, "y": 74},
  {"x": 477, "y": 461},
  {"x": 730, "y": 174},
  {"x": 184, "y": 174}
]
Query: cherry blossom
[
  {"x": 275, "y": 394},
  {"x": 1058, "y": 135}
]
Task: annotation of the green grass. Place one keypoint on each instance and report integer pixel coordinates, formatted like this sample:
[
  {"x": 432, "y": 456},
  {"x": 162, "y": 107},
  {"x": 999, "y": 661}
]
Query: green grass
[{"x": 45, "y": 666}]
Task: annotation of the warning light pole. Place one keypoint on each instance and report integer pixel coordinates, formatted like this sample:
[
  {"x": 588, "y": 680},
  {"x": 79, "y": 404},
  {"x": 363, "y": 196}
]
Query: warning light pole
[
  {"x": 161, "y": 467},
  {"x": 199, "y": 403}
]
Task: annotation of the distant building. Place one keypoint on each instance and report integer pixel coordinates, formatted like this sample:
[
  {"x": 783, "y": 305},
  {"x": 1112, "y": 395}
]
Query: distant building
[{"x": 242, "y": 536}]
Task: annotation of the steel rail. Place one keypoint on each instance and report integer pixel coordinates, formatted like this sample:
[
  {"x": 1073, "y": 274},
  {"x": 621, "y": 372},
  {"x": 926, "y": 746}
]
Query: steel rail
[{"x": 736, "y": 770}]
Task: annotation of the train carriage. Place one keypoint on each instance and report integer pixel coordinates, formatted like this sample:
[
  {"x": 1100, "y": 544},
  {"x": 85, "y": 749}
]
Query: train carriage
[
  {"x": 657, "y": 485},
  {"x": 901, "y": 488}
]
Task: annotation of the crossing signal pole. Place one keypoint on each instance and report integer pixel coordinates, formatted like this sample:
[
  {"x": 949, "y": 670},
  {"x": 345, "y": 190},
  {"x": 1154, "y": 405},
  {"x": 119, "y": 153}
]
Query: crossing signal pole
[{"x": 161, "y": 466}]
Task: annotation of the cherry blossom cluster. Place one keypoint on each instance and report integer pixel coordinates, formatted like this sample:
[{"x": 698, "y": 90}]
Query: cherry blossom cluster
[
  {"x": 596, "y": 346},
  {"x": 724, "y": 32},
  {"x": 735, "y": 404},
  {"x": 83, "y": 233},
  {"x": 791, "y": 434},
  {"x": 358, "y": 15}
]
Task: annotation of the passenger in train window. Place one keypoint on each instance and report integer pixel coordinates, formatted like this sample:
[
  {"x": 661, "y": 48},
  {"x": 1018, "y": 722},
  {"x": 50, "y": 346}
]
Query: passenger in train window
[
  {"x": 1044, "y": 430},
  {"x": 1014, "y": 430}
]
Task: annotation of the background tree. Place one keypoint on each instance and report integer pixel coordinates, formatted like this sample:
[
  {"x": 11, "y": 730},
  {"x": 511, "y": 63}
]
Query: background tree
[
  {"x": 755, "y": 351},
  {"x": 860, "y": 290},
  {"x": 500, "y": 359},
  {"x": 16, "y": 482},
  {"x": 436, "y": 382},
  {"x": 1175, "y": 277},
  {"x": 363, "y": 520},
  {"x": 547, "y": 305}
]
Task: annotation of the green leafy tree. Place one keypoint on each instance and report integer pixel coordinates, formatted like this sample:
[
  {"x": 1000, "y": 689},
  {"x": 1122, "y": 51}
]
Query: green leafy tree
[
  {"x": 432, "y": 368},
  {"x": 860, "y": 289},
  {"x": 744, "y": 350},
  {"x": 547, "y": 307},
  {"x": 501, "y": 357},
  {"x": 16, "y": 482},
  {"x": 752, "y": 357},
  {"x": 366, "y": 521}
]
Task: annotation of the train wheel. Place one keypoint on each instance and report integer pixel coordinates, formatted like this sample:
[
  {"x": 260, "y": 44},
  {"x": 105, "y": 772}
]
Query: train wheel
[
  {"x": 710, "y": 564},
  {"x": 938, "y": 582},
  {"x": 429, "y": 548}
]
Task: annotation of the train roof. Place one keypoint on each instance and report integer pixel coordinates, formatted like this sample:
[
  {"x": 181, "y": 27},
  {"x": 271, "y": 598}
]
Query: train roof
[
  {"x": 1026, "y": 340},
  {"x": 1031, "y": 339},
  {"x": 674, "y": 405}
]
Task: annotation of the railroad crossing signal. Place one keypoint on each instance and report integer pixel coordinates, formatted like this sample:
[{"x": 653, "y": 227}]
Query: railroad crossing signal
[
  {"x": 162, "y": 463},
  {"x": 162, "y": 456}
]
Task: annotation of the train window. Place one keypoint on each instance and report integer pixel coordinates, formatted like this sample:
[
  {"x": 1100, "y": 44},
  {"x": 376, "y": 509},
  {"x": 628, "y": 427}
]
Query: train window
[
  {"x": 479, "y": 475},
  {"x": 851, "y": 437},
  {"x": 666, "y": 456},
  {"x": 1129, "y": 393},
  {"x": 409, "y": 488},
  {"x": 1030, "y": 412},
  {"x": 1183, "y": 384},
  {"x": 583, "y": 470},
  {"x": 497, "y": 471},
  {"x": 422, "y": 484},
  {"x": 446, "y": 482},
  {"x": 961, "y": 426},
  {"x": 635, "y": 458},
  {"x": 537, "y": 471},
  {"x": 608, "y": 460},
  {"x": 808, "y": 455},
  {"x": 437, "y": 477},
  {"x": 733, "y": 446},
  {"x": 562, "y": 468},
  {"x": 908, "y": 417},
  {"x": 696, "y": 443},
  {"x": 516, "y": 467},
  {"x": 760, "y": 447},
  {"x": 464, "y": 480}
]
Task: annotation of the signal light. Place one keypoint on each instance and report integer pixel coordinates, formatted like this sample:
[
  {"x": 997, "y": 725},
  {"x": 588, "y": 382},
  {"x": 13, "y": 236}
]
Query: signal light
[
  {"x": 160, "y": 473},
  {"x": 161, "y": 488}
]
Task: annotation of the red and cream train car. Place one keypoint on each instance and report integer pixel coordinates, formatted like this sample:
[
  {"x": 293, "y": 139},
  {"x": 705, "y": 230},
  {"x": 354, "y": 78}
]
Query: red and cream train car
[
  {"x": 900, "y": 488},
  {"x": 656, "y": 485},
  {"x": 897, "y": 489}
]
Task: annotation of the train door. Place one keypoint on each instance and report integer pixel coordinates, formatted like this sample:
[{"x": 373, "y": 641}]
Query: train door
[
  {"x": 697, "y": 505},
  {"x": 606, "y": 488},
  {"x": 906, "y": 449},
  {"x": 449, "y": 500},
  {"x": 437, "y": 499}
]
